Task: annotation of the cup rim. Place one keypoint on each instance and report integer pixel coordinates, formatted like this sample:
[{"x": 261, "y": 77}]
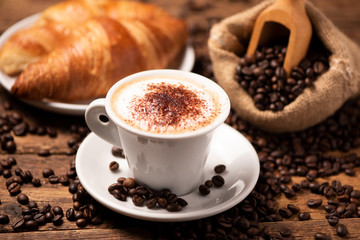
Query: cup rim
[{"x": 225, "y": 104}]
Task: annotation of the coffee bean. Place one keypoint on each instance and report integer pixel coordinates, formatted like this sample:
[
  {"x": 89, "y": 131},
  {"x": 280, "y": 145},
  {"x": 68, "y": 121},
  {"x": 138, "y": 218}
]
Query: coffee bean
[
  {"x": 22, "y": 199},
  {"x": 137, "y": 200},
  {"x": 285, "y": 213},
  {"x": 114, "y": 166},
  {"x": 48, "y": 172},
  {"x": 151, "y": 203},
  {"x": 46, "y": 208},
  {"x": 64, "y": 180},
  {"x": 73, "y": 187},
  {"x": 58, "y": 210},
  {"x": 18, "y": 224},
  {"x": 26, "y": 212},
  {"x": 204, "y": 190},
  {"x": 314, "y": 203},
  {"x": 96, "y": 220},
  {"x": 182, "y": 202},
  {"x": 5, "y": 163},
  {"x": 162, "y": 202},
  {"x": 12, "y": 161},
  {"x": 53, "y": 179},
  {"x": 78, "y": 215},
  {"x": 87, "y": 214},
  {"x": 40, "y": 218},
  {"x": 20, "y": 129},
  {"x": 172, "y": 197},
  {"x": 220, "y": 168},
  {"x": 285, "y": 232},
  {"x": 81, "y": 222},
  {"x": 49, "y": 216},
  {"x": 57, "y": 220},
  {"x": 44, "y": 153},
  {"x": 294, "y": 209},
  {"x": 31, "y": 225},
  {"x": 117, "y": 152},
  {"x": 129, "y": 183},
  {"x": 7, "y": 173},
  {"x": 322, "y": 236},
  {"x": 218, "y": 181},
  {"x": 209, "y": 183},
  {"x": 28, "y": 176},
  {"x": 14, "y": 188},
  {"x": 341, "y": 230},
  {"x": 76, "y": 205},
  {"x": 4, "y": 219},
  {"x": 36, "y": 182},
  {"x": 10, "y": 146},
  {"x": 28, "y": 217},
  {"x": 70, "y": 214},
  {"x": 303, "y": 216},
  {"x": 12, "y": 180},
  {"x": 333, "y": 220},
  {"x": 173, "y": 207}
]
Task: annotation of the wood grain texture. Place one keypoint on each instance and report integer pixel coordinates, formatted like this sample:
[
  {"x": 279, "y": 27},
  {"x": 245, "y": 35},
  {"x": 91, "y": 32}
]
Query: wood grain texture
[{"x": 344, "y": 13}]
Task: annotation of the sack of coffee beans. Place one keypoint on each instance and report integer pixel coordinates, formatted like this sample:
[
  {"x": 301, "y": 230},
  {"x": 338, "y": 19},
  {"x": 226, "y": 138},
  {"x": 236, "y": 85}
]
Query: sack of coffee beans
[{"x": 290, "y": 109}]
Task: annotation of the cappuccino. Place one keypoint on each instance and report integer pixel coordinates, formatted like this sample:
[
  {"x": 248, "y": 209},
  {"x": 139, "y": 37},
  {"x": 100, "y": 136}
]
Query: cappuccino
[{"x": 165, "y": 105}]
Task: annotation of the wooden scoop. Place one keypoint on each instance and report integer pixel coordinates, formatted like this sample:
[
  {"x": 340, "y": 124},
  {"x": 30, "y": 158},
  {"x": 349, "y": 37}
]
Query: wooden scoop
[{"x": 292, "y": 15}]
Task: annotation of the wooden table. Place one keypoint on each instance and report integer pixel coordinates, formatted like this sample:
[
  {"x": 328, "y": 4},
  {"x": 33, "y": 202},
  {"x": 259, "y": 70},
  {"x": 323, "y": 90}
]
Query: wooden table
[{"x": 200, "y": 14}]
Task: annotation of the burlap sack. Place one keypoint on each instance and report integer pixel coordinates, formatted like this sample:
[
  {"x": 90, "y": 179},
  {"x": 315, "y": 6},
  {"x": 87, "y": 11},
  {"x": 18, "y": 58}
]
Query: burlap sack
[{"x": 228, "y": 40}]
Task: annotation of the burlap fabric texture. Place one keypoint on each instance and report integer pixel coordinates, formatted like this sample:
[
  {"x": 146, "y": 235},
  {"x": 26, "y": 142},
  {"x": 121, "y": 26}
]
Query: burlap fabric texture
[{"x": 229, "y": 39}]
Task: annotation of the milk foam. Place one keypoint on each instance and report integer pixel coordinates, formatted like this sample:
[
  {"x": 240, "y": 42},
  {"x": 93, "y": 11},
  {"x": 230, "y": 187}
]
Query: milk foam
[{"x": 125, "y": 99}]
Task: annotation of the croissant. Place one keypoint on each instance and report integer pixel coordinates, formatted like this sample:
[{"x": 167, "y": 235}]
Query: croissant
[
  {"x": 57, "y": 22},
  {"x": 97, "y": 54}
]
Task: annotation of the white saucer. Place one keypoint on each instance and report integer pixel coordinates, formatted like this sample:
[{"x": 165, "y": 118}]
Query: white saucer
[
  {"x": 78, "y": 108},
  {"x": 228, "y": 147}
]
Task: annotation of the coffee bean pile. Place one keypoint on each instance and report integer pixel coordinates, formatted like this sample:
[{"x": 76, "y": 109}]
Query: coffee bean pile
[
  {"x": 140, "y": 195},
  {"x": 33, "y": 216},
  {"x": 12, "y": 123},
  {"x": 217, "y": 180},
  {"x": 85, "y": 209},
  {"x": 266, "y": 81}
]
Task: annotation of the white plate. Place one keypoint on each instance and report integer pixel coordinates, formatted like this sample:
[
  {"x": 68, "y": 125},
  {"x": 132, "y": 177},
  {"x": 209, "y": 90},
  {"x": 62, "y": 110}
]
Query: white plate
[
  {"x": 77, "y": 108},
  {"x": 228, "y": 147}
]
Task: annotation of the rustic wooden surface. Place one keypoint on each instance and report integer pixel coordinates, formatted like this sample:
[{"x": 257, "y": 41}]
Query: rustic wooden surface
[{"x": 344, "y": 13}]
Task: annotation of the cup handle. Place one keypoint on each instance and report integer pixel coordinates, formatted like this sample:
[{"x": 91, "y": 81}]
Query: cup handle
[{"x": 99, "y": 122}]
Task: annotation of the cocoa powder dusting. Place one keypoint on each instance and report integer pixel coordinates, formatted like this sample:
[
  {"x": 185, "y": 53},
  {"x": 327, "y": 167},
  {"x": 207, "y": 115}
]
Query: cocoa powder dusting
[{"x": 167, "y": 105}]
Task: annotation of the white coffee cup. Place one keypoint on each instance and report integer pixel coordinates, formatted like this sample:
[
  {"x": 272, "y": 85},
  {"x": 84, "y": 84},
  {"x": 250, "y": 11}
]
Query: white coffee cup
[{"x": 173, "y": 161}]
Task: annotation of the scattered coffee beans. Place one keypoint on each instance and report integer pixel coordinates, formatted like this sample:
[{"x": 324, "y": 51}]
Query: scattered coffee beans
[{"x": 140, "y": 195}]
